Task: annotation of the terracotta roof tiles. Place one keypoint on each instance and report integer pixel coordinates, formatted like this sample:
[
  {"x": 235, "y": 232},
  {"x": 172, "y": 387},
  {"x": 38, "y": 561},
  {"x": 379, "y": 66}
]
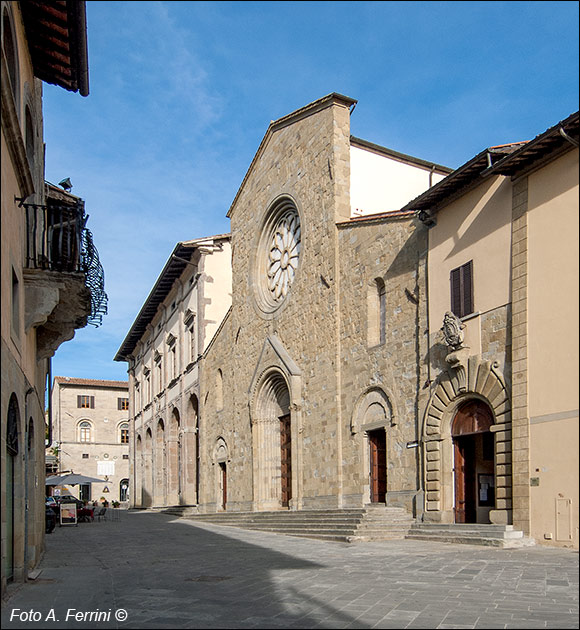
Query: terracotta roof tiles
[{"x": 87, "y": 382}]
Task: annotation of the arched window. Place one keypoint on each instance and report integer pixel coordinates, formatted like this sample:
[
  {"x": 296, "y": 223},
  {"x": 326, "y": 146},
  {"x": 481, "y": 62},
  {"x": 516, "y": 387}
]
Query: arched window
[
  {"x": 123, "y": 490},
  {"x": 13, "y": 421},
  {"x": 11, "y": 55},
  {"x": 85, "y": 431},
  {"x": 219, "y": 390},
  {"x": 124, "y": 433},
  {"x": 377, "y": 312}
]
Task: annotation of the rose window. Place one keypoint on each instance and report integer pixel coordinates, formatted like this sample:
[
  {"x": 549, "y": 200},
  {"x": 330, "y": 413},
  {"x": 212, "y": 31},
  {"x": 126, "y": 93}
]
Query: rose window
[
  {"x": 278, "y": 254},
  {"x": 284, "y": 254}
]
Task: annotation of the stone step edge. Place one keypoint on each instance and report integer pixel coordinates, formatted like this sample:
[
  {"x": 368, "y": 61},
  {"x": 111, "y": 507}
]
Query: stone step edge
[{"x": 506, "y": 543}]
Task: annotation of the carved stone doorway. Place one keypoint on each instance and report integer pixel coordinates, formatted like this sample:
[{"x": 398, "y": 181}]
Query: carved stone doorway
[{"x": 473, "y": 462}]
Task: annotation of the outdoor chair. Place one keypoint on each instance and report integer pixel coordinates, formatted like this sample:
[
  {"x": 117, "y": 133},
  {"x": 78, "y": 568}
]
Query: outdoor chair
[{"x": 101, "y": 514}]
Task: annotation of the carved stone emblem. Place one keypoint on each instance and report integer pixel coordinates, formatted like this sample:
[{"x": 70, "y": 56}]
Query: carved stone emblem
[
  {"x": 458, "y": 353},
  {"x": 453, "y": 330}
]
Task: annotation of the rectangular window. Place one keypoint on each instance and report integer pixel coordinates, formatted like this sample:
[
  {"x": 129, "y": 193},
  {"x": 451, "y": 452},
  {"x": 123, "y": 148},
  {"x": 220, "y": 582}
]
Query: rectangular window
[
  {"x": 125, "y": 456},
  {"x": 462, "y": 290},
  {"x": 159, "y": 375},
  {"x": 86, "y": 402},
  {"x": 15, "y": 304},
  {"x": 85, "y": 455},
  {"x": 147, "y": 389},
  {"x": 123, "y": 404},
  {"x": 192, "y": 344}
]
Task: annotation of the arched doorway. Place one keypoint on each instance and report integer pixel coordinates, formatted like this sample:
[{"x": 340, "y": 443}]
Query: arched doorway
[
  {"x": 473, "y": 452},
  {"x": 160, "y": 459},
  {"x": 148, "y": 470},
  {"x": 138, "y": 473},
  {"x": 124, "y": 490},
  {"x": 175, "y": 482},
  {"x": 12, "y": 475},
  {"x": 189, "y": 453},
  {"x": 272, "y": 439},
  {"x": 221, "y": 458}
]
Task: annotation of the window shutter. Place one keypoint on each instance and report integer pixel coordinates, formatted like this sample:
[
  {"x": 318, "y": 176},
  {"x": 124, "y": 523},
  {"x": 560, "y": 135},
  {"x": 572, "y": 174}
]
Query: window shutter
[
  {"x": 118, "y": 404},
  {"x": 467, "y": 288},
  {"x": 92, "y": 402},
  {"x": 456, "y": 292},
  {"x": 79, "y": 402},
  {"x": 462, "y": 290}
]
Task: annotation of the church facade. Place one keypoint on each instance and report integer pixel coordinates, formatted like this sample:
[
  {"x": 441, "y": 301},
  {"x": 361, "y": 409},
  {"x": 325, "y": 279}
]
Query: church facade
[
  {"x": 370, "y": 354},
  {"x": 311, "y": 391}
]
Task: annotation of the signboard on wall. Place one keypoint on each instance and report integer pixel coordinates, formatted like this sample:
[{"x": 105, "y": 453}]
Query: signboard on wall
[{"x": 105, "y": 468}]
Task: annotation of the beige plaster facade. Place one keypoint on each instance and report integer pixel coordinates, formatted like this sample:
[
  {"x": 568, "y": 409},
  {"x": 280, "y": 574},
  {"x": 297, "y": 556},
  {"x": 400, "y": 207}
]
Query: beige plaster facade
[
  {"x": 516, "y": 220},
  {"x": 44, "y": 297},
  {"x": 163, "y": 348},
  {"x": 91, "y": 436}
]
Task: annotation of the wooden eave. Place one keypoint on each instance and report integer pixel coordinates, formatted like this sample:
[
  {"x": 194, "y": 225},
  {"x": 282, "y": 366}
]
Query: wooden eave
[{"x": 57, "y": 40}]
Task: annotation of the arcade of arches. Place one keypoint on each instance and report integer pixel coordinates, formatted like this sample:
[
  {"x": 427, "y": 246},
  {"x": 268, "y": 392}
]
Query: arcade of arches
[{"x": 167, "y": 460}]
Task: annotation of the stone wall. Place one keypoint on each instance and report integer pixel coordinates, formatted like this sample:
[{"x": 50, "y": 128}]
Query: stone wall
[
  {"x": 390, "y": 249},
  {"x": 105, "y": 444},
  {"x": 305, "y": 160}
]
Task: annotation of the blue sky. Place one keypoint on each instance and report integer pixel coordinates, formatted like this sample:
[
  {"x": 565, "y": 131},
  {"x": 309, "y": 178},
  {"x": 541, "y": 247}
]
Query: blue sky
[{"x": 181, "y": 94}]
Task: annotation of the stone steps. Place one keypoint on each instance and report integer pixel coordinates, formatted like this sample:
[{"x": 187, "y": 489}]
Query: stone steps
[
  {"x": 471, "y": 534},
  {"x": 348, "y": 525}
]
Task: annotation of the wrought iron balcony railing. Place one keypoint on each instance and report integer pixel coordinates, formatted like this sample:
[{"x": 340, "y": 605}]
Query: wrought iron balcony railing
[{"x": 57, "y": 240}]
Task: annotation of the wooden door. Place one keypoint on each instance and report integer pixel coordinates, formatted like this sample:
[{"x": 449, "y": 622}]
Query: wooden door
[
  {"x": 224, "y": 480},
  {"x": 378, "y": 465},
  {"x": 286, "y": 459},
  {"x": 465, "y": 490}
]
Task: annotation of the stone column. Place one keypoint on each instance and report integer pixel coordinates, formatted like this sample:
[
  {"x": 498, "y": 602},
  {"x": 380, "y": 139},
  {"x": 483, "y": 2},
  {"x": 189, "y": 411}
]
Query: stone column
[{"x": 520, "y": 414}]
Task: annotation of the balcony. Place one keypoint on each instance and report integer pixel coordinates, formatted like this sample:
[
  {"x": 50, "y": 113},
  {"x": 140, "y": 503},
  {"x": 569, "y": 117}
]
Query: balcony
[{"x": 64, "y": 279}]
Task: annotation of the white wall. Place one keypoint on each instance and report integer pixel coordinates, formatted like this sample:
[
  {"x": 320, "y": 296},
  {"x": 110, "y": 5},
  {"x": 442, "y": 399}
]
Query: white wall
[{"x": 382, "y": 184}]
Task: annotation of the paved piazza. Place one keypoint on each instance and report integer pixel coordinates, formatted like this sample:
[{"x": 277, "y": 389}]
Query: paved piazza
[{"x": 162, "y": 572}]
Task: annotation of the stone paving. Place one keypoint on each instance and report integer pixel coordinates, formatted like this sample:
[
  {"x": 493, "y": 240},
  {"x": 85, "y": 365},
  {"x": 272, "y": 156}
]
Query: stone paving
[{"x": 164, "y": 572}]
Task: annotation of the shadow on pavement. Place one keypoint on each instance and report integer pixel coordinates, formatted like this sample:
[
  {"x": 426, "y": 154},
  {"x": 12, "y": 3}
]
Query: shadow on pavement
[{"x": 165, "y": 573}]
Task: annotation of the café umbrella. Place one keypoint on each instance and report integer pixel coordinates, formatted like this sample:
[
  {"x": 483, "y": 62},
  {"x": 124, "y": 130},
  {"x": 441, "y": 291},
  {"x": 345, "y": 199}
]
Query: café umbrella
[{"x": 71, "y": 479}]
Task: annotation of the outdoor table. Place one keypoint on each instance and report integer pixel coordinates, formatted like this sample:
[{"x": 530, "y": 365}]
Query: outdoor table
[{"x": 85, "y": 515}]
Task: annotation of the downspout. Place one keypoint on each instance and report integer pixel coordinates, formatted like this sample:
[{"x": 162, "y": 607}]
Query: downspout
[
  {"x": 49, "y": 376},
  {"x": 567, "y": 137},
  {"x": 421, "y": 444}
]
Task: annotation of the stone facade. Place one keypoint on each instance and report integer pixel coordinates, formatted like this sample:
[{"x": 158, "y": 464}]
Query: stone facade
[
  {"x": 163, "y": 348},
  {"x": 330, "y": 383},
  {"x": 311, "y": 357},
  {"x": 91, "y": 435},
  {"x": 44, "y": 297}
]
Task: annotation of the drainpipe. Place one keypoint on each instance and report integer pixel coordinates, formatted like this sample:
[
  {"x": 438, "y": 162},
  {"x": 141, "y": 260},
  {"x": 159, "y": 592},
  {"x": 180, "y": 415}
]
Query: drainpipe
[
  {"x": 567, "y": 137},
  {"x": 49, "y": 388}
]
